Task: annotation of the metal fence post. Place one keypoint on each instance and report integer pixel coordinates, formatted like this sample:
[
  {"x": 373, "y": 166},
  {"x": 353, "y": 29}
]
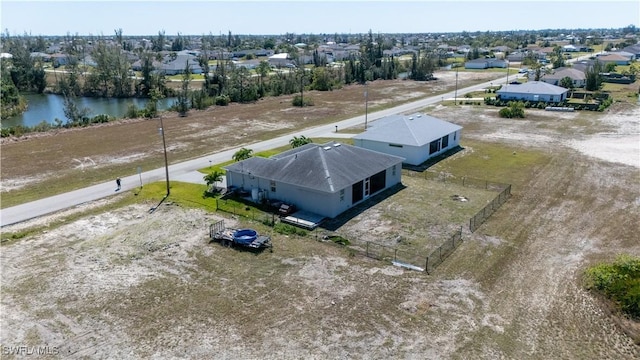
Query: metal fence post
[
  {"x": 426, "y": 265},
  {"x": 367, "y": 251},
  {"x": 395, "y": 255}
]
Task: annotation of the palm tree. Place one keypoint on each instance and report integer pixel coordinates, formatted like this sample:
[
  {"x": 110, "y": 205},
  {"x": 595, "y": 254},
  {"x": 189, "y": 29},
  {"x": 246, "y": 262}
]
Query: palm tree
[
  {"x": 242, "y": 154},
  {"x": 213, "y": 178},
  {"x": 299, "y": 141}
]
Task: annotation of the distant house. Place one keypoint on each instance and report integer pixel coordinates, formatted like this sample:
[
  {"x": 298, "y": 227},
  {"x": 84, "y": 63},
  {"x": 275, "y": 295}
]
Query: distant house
[
  {"x": 615, "y": 59},
  {"x": 417, "y": 137},
  {"x": 280, "y": 60},
  {"x": 628, "y": 55},
  {"x": 40, "y": 56},
  {"x": 59, "y": 59},
  {"x": 578, "y": 78},
  {"x": 532, "y": 91},
  {"x": 633, "y": 49},
  {"x": 325, "y": 179},
  {"x": 176, "y": 65},
  {"x": 485, "y": 64},
  {"x": 516, "y": 56}
]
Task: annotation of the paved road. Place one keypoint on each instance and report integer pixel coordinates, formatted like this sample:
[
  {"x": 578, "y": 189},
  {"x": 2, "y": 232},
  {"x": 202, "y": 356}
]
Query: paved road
[{"x": 186, "y": 170}]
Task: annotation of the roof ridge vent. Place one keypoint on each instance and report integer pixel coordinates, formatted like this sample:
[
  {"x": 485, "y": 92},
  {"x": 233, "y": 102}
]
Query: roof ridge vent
[
  {"x": 419, "y": 115},
  {"x": 327, "y": 147},
  {"x": 411, "y": 118},
  {"x": 336, "y": 144}
]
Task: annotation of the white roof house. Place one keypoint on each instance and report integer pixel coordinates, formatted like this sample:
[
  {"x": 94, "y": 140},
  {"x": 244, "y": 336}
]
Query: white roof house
[
  {"x": 279, "y": 60},
  {"x": 417, "y": 137},
  {"x": 325, "y": 179},
  {"x": 533, "y": 91}
]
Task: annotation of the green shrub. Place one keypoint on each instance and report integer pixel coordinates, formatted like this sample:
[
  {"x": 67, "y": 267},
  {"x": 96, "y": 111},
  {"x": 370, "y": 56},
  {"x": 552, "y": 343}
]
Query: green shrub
[
  {"x": 223, "y": 100},
  {"x": 339, "y": 240},
  {"x": 618, "y": 281},
  {"x": 132, "y": 111},
  {"x": 298, "y": 101},
  {"x": 287, "y": 229},
  {"x": 102, "y": 118}
]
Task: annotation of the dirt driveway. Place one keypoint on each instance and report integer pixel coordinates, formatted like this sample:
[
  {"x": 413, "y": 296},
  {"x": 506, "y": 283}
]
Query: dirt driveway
[{"x": 129, "y": 284}]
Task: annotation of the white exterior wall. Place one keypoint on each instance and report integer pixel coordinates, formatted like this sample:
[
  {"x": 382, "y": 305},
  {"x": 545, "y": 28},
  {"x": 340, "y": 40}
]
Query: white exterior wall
[
  {"x": 414, "y": 155},
  {"x": 532, "y": 97},
  {"x": 476, "y": 65},
  {"x": 322, "y": 203}
]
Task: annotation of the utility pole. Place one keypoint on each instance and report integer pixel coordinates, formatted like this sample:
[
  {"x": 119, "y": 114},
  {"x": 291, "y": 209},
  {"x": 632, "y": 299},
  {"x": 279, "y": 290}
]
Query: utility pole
[
  {"x": 166, "y": 163},
  {"x": 302, "y": 86},
  {"x": 455, "y": 94},
  {"x": 507, "y": 83},
  {"x": 366, "y": 104}
]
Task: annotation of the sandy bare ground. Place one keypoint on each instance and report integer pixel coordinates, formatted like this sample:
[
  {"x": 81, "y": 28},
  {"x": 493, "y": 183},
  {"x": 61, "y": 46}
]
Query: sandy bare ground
[{"x": 129, "y": 284}]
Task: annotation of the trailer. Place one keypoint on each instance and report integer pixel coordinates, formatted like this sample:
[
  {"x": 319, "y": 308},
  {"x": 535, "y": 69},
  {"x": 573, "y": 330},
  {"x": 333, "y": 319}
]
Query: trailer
[{"x": 245, "y": 238}]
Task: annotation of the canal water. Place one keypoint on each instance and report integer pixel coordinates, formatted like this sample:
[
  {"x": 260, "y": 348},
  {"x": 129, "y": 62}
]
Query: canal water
[{"x": 48, "y": 107}]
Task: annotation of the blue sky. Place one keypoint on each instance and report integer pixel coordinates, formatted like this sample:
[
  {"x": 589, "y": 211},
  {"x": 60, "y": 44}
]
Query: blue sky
[{"x": 309, "y": 16}]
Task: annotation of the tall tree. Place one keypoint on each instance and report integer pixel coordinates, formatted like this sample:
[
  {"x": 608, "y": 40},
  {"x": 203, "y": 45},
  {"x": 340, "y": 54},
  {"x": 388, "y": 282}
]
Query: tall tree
[
  {"x": 182, "y": 103},
  {"x": 594, "y": 77},
  {"x": 242, "y": 154},
  {"x": 566, "y": 83},
  {"x": 263, "y": 70},
  {"x": 157, "y": 44},
  {"x": 299, "y": 141}
]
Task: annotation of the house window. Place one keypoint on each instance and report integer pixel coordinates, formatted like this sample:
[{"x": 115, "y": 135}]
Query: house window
[
  {"x": 445, "y": 141},
  {"x": 395, "y": 145},
  {"x": 454, "y": 135},
  {"x": 393, "y": 170},
  {"x": 434, "y": 146},
  {"x": 357, "y": 192},
  {"x": 378, "y": 182},
  {"x": 342, "y": 195},
  {"x": 273, "y": 186}
]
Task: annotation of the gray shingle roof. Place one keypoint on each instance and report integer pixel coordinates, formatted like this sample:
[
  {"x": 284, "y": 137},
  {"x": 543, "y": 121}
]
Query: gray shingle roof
[
  {"x": 560, "y": 73},
  {"x": 532, "y": 87},
  {"x": 329, "y": 167},
  {"x": 414, "y": 130}
]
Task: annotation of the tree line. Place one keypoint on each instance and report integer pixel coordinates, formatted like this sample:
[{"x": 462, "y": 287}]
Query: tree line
[{"x": 111, "y": 74}]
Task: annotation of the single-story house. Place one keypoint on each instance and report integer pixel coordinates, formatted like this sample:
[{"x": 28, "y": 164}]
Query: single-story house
[
  {"x": 325, "y": 179},
  {"x": 416, "y": 138},
  {"x": 532, "y": 91},
  {"x": 614, "y": 58},
  {"x": 59, "y": 59},
  {"x": 485, "y": 63},
  {"x": 633, "y": 49},
  {"x": 578, "y": 78},
  {"x": 628, "y": 55},
  {"x": 177, "y": 65},
  {"x": 280, "y": 60},
  {"x": 40, "y": 56}
]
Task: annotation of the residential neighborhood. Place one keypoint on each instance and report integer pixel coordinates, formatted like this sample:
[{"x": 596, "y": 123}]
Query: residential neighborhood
[{"x": 320, "y": 180}]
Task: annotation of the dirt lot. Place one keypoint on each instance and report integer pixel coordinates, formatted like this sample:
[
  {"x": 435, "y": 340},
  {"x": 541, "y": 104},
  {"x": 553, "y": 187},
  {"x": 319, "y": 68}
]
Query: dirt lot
[{"x": 129, "y": 284}]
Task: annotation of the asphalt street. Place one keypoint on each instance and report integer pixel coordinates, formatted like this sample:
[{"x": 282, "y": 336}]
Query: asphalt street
[{"x": 187, "y": 171}]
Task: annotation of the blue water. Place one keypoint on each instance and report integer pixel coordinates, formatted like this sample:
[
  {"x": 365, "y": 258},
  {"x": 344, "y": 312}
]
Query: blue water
[{"x": 48, "y": 107}]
